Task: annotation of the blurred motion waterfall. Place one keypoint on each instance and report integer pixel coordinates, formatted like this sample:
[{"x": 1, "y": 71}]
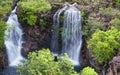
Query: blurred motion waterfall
[
  {"x": 55, "y": 32},
  {"x": 13, "y": 40},
  {"x": 71, "y": 32}
]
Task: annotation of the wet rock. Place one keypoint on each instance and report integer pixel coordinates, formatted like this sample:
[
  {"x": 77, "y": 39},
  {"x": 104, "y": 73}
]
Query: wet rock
[
  {"x": 35, "y": 38},
  {"x": 10, "y": 71},
  {"x": 85, "y": 55},
  {"x": 1, "y": 72},
  {"x": 3, "y": 61}
]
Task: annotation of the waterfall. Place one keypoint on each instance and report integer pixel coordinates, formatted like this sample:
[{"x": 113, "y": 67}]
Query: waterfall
[
  {"x": 71, "y": 32},
  {"x": 55, "y": 32},
  {"x": 13, "y": 40}
]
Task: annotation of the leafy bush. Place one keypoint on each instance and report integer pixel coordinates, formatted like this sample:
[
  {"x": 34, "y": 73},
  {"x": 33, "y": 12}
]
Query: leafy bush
[
  {"x": 5, "y": 6},
  {"x": 103, "y": 45},
  {"x": 43, "y": 23},
  {"x": 85, "y": 2},
  {"x": 95, "y": 2},
  {"x": 29, "y": 10},
  {"x": 31, "y": 19},
  {"x": 108, "y": 11},
  {"x": 91, "y": 26},
  {"x": 118, "y": 15},
  {"x": 42, "y": 63},
  {"x": 118, "y": 3},
  {"x": 2, "y": 29},
  {"x": 115, "y": 23},
  {"x": 0, "y": 1},
  {"x": 88, "y": 71}
]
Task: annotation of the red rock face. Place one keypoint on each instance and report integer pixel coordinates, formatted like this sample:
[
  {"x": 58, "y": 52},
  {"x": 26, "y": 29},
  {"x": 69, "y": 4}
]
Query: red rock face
[
  {"x": 114, "y": 66},
  {"x": 35, "y": 39},
  {"x": 3, "y": 61}
]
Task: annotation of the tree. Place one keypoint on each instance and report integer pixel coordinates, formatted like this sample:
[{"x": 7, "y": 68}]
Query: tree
[
  {"x": 30, "y": 9},
  {"x": 104, "y": 44},
  {"x": 42, "y": 63},
  {"x": 88, "y": 71}
]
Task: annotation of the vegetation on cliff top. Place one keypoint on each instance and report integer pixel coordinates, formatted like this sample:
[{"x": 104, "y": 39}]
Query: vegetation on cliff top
[
  {"x": 5, "y": 7},
  {"x": 30, "y": 10}
]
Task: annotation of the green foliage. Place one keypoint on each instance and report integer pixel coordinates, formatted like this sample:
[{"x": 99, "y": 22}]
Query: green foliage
[
  {"x": 31, "y": 19},
  {"x": 95, "y": 2},
  {"x": 78, "y": 1},
  {"x": 42, "y": 63},
  {"x": 118, "y": 3},
  {"x": 108, "y": 11},
  {"x": 88, "y": 71},
  {"x": 2, "y": 29},
  {"x": 43, "y": 23},
  {"x": 84, "y": 13},
  {"x": 65, "y": 66},
  {"x": 66, "y": 0},
  {"x": 5, "y": 6},
  {"x": 57, "y": 0},
  {"x": 29, "y": 10},
  {"x": 0, "y": 2},
  {"x": 104, "y": 44},
  {"x": 35, "y": 6},
  {"x": 91, "y": 26},
  {"x": 118, "y": 15},
  {"x": 115, "y": 23}
]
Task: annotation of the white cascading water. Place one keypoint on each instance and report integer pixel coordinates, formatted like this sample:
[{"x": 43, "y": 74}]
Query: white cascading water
[
  {"x": 55, "y": 32},
  {"x": 71, "y": 34},
  {"x": 13, "y": 40}
]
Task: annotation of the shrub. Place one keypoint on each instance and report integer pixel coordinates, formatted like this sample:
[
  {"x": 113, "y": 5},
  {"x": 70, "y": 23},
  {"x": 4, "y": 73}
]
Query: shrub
[
  {"x": 0, "y": 1},
  {"x": 118, "y": 3},
  {"x": 2, "y": 29},
  {"x": 5, "y": 6},
  {"x": 103, "y": 45},
  {"x": 91, "y": 26},
  {"x": 31, "y": 20},
  {"x": 43, "y": 23},
  {"x": 42, "y": 63},
  {"x": 115, "y": 23},
  {"x": 95, "y": 2},
  {"x": 88, "y": 71},
  {"x": 108, "y": 11},
  {"x": 29, "y": 10},
  {"x": 118, "y": 15}
]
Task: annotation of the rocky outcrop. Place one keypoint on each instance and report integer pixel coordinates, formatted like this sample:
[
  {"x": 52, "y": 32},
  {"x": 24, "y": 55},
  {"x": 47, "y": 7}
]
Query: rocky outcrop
[
  {"x": 35, "y": 39},
  {"x": 114, "y": 66}
]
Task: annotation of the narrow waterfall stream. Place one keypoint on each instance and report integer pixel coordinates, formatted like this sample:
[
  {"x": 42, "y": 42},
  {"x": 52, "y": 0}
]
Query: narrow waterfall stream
[
  {"x": 71, "y": 32},
  {"x": 13, "y": 40},
  {"x": 55, "y": 33}
]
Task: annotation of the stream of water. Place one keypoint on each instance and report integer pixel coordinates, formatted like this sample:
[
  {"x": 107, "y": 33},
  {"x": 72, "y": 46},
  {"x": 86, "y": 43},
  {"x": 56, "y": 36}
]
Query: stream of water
[
  {"x": 13, "y": 40},
  {"x": 55, "y": 33},
  {"x": 71, "y": 33}
]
